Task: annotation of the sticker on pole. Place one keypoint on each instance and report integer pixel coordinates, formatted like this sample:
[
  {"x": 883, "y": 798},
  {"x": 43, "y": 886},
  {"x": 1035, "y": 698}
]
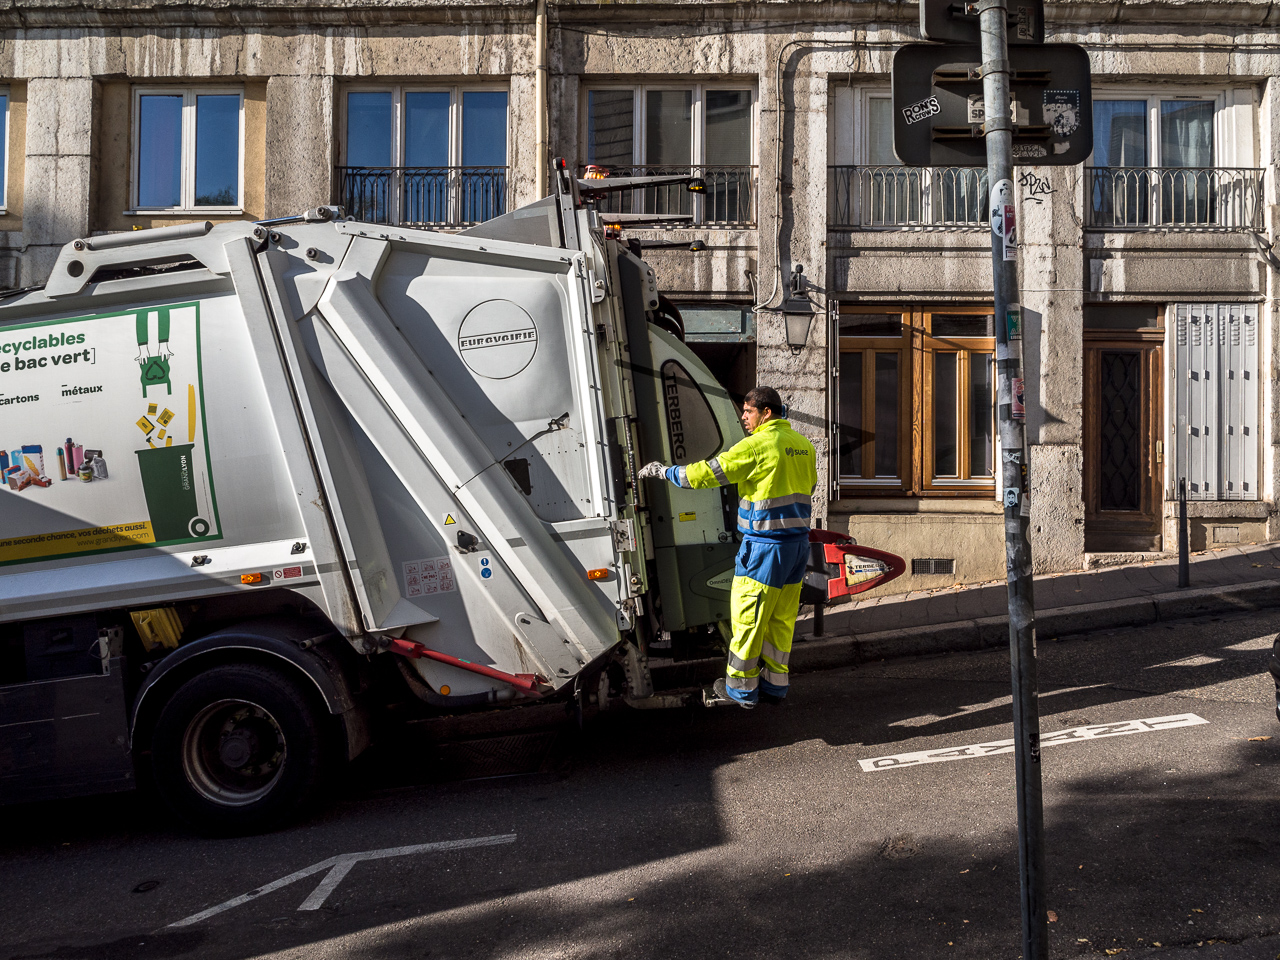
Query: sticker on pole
[
  {"x": 1001, "y": 197},
  {"x": 921, "y": 111},
  {"x": 1062, "y": 111}
]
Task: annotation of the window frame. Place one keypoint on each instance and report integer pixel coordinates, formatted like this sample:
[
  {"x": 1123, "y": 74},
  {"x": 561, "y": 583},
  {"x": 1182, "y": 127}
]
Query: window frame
[
  {"x": 916, "y": 348},
  {"x": 1223, "y": 147},
  {"x": 7, "y": 92},
  {"x": 398, "y": 91},
  {"x": 698, "y": 134},
  {"x": 187, "y": 169},
  {"x": 862, "y": 123}
]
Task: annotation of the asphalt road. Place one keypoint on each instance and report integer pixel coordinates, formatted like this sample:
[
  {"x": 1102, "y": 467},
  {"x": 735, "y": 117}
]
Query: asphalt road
[{"x": 726, "y": 833}]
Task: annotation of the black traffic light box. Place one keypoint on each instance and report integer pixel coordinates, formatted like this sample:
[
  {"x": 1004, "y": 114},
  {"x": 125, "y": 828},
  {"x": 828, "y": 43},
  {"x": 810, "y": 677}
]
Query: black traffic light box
[
  {"x": 938, "y": 105},
  {"x": 956, "y": 21}
]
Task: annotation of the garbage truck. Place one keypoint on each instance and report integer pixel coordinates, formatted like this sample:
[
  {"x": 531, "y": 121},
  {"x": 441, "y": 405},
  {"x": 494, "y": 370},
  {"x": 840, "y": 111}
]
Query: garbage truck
[
  {"x": 261, "y": 481},
  {"x": 265, "y": 483}
]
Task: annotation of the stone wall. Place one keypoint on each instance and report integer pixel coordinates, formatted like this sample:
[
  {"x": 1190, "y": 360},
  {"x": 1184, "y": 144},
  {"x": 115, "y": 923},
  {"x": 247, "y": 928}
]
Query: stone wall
[{"x": 71, "y": 65}]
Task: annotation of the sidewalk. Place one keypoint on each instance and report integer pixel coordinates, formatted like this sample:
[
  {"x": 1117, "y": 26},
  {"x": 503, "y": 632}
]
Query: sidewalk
[{"x": 975, "y": 616}]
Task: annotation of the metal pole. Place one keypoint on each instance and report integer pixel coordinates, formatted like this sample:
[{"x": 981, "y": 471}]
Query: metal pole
[
  {"x": 1184, "y": 559},
  {"x": 1013, "y": 474},
  {"x": 817, "y": 607}
]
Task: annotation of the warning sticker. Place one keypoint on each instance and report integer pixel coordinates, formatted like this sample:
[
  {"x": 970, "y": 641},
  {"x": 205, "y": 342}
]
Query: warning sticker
[{"x": 422, "y": 578}]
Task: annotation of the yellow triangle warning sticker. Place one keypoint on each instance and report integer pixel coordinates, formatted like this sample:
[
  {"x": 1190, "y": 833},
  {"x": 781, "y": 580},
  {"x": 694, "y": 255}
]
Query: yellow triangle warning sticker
[{"x": 448, "y": 519}]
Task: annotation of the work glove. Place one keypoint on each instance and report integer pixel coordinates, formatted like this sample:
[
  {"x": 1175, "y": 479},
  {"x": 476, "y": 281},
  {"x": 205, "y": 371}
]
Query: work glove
[{"x": 654, "y": 470}]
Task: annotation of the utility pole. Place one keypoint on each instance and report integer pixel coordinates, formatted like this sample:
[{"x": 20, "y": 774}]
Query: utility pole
[{"x": 1012, "y": 471}]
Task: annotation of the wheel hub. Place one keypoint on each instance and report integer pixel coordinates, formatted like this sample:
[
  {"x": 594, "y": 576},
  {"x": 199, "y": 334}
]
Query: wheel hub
[{"x": 233, "y": 752}]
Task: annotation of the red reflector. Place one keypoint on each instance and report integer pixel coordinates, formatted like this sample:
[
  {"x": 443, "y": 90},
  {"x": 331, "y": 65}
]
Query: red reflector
[{"x": 600, "y": 573}]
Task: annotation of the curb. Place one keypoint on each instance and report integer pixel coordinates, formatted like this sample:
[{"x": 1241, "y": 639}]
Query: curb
[{"x": 987, "y": 632}]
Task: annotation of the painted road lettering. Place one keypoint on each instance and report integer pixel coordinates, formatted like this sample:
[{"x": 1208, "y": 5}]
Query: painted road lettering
[{"x": 1096, "y": 731}]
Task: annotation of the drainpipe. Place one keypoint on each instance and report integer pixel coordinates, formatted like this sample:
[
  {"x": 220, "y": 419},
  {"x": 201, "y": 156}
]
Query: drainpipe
[{"x": 540, "y": 94}]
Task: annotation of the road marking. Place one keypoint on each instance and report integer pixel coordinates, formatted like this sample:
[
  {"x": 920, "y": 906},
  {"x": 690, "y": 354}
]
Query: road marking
[
  {"x": 1094, "y": 731},
  {"x": 338, "y": 868}
]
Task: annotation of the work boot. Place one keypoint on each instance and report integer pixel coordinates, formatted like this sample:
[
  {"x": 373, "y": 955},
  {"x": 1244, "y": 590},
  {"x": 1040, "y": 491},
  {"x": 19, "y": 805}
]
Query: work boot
[
  {"x": 771, "y": 698},
  {"x": 718, "y": 694}
]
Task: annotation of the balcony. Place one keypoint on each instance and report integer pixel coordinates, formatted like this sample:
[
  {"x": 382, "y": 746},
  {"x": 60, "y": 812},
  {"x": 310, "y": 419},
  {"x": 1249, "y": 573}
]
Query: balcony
[
  {"x": 729, "y": 200},
  {"x": 1188, "y": 198},
  {"x": 437, "y": 197},
  {"x": 898, "y": 198}
]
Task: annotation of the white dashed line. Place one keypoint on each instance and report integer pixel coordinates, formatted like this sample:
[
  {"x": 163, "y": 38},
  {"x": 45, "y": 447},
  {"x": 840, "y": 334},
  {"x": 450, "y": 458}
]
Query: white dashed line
[
  {"x": 338, "y": 868},
  {"x": 1095, "y": 731}
]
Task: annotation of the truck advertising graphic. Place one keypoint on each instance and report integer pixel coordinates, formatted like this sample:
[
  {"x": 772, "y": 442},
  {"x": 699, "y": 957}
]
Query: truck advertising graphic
[{"x": 102, "y": 435}]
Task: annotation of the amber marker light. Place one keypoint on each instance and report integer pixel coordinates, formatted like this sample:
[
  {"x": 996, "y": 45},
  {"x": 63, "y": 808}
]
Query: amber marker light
[
  {"x": 600, "y": 573},
  {"x": 250, "y": 578}
]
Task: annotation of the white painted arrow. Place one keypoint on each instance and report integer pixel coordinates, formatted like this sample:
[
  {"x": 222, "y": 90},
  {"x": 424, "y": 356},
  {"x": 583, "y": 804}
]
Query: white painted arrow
[{"x": 338, "y": 868}]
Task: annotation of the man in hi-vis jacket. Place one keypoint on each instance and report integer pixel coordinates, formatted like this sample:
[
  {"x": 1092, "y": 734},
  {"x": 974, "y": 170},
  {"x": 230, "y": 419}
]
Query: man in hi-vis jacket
[{"x": 776, "y": 472}]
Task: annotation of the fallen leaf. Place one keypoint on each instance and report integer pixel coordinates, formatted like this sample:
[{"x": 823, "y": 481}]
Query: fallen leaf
[
  {"x": 1112, "y": 951},
  {"x": 1156, "y": 943},
  {"x": 964, "y": 871},
  {"x": 1256, "y": 739},
  {"x": 1256, "y": 564},
  {"x": 1196, "y": 910},
  {"x": 629, "y": 899},
  {"x": 1052, "y": 915}
]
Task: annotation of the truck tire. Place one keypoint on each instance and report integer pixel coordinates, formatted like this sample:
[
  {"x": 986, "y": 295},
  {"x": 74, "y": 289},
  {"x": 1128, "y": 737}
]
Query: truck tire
[{"x": 240, "y": 748}]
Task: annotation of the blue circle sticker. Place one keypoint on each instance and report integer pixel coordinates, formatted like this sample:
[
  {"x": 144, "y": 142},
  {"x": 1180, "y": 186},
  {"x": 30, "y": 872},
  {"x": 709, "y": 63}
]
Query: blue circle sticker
[
  {"x": 486, "y": 573},
  {"x": 484, "y": 562}
]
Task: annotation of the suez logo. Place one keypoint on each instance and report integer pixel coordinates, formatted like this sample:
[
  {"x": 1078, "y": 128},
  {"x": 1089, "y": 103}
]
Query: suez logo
[
  {"x": 797, "y": 452},
  {"x": 922, "y": 110}
]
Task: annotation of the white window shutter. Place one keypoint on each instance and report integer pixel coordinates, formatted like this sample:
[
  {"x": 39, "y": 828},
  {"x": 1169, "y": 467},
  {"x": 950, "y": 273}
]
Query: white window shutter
[{"x": 1217, "y": 400}]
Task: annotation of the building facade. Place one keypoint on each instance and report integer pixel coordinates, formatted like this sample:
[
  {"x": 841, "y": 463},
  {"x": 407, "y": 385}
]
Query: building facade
[{"x": 1148, "y": 275}]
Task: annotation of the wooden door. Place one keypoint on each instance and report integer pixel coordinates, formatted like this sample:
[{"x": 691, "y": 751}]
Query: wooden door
[{"x": 1123, "y": 448}]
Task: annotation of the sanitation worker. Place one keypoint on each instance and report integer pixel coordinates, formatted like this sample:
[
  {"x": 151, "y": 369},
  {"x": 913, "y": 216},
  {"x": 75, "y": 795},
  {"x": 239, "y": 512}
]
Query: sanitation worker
[{"x": 775, "y": 470}]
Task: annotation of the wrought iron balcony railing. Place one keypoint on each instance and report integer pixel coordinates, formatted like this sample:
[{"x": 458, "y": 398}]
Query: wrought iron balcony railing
[
  {"x": 1196, "y": 198},
  {"x": 729, "y": 200},
  {"x": 897, "y": 197},
  {"x": 424, "y": 196}
]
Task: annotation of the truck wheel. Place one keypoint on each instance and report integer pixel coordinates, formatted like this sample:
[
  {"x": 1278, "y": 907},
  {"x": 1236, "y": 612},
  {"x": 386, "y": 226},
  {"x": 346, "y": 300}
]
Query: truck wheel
[{"x": 239, "y": 748}]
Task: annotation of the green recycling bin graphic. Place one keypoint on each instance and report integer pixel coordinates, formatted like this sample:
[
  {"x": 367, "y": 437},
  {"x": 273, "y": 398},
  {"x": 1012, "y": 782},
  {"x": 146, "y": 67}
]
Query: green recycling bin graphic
[{"x": 169, "y": 483}]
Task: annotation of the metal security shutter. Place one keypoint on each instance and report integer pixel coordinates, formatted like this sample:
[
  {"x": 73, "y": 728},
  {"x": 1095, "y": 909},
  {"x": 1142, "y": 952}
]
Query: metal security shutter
[{"x": 1217, "y": 400}]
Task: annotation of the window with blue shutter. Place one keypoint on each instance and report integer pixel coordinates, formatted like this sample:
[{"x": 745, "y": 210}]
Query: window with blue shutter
[{"x": 1216, "y": 433}]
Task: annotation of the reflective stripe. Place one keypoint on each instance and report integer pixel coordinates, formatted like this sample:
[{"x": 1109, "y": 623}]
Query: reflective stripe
[
  {"x": 786, "y": 523},
  {"x": 718, "y": 471},
  {"x": 682, "y": 477},
  {"x": 777, "y": 679},
  {"x": 744, "y": 666},
  {"x": 746, "y": 684},
  {"x": 776, "y": 502},
  {"x": 779, "y": 657}
]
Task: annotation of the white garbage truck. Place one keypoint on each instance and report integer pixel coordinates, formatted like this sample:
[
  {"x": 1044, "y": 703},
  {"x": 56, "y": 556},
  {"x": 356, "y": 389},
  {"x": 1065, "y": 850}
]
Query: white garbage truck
[{"x": 261, "y": 481}]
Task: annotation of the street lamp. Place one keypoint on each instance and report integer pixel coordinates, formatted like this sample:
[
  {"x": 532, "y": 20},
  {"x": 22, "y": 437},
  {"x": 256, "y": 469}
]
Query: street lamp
[{"x": 797, "y": 312}]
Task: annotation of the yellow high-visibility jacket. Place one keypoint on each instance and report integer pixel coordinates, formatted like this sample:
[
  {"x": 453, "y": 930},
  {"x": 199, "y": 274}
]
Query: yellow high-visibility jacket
[{"x": 776, "y": 472}]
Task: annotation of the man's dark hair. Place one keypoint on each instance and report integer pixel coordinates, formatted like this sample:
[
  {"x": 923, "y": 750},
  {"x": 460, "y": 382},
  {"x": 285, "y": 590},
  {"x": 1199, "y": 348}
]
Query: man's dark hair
[{"x": 763, "y": 398}]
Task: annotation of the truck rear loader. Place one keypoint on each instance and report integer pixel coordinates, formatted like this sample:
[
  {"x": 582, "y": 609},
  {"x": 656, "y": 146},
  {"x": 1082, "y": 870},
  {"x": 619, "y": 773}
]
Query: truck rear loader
[{"x": 261, "y": 481}]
